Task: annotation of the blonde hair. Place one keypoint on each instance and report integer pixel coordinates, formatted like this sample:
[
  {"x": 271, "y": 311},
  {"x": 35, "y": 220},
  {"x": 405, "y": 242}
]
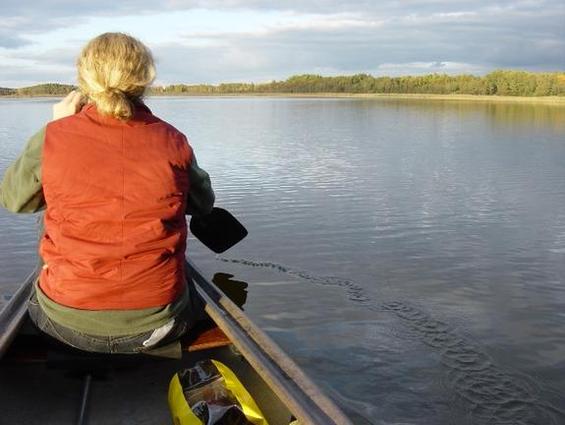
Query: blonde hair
[{"x": 114, "y": 70}]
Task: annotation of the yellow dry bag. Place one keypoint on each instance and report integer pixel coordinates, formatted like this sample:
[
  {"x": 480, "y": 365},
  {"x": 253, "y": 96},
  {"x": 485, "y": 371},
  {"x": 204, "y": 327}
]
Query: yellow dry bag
[{"x": 210, "y": 393}]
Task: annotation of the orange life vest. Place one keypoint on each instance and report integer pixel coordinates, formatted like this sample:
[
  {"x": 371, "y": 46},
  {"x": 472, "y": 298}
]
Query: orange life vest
[{"x": 115, "y": 227}]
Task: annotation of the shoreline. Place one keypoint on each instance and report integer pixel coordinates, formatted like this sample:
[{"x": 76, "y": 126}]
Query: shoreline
[
  {"x": 547, "y": 100},
  {"x": 553, "y": 100}
]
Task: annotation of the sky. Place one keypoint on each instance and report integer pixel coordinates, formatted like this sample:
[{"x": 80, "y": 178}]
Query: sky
[{"x": 212, "y": 41}]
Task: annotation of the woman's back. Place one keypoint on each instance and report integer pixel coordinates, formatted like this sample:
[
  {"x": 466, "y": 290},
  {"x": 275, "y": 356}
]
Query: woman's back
[{"x": 115, "y": 227}]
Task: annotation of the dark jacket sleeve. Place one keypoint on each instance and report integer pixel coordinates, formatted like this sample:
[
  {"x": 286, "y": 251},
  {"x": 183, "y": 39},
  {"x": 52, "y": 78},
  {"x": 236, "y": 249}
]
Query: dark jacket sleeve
[
  {"x": 20, "y": 189},
  {"x": 200, "y": 196}
]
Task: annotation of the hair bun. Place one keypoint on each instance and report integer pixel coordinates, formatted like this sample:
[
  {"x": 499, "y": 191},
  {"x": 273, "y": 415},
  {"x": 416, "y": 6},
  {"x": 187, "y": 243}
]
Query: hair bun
[
  {"x": 115, "y": 91},
  {"x": 113, "y": 101}
]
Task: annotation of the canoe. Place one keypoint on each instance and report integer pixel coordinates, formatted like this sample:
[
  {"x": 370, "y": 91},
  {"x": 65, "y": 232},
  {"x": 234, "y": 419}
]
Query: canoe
[{"x": 42, "y": 383}]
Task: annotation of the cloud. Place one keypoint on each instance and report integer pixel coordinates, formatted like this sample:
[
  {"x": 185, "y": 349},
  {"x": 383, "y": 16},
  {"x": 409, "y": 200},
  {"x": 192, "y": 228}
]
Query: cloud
[
  {"x": 463, "y": 42},
  {"x": 26, "y": 74},
  {"x": 10, "y": 41},
  {"x": 275, "y": 39}
]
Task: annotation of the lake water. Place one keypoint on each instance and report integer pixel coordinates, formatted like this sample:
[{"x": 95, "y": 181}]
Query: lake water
[{"x": 409, "y": 255}]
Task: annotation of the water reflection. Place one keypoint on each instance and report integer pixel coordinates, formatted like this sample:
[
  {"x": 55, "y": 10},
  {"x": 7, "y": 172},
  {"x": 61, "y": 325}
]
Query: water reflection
[
  {"x": 500, "y": 114},
  {"x": 235, "y": 290}
]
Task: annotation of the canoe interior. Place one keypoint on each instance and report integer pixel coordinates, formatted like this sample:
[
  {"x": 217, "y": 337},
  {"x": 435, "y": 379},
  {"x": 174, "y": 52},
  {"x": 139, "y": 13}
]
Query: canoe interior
[{"x": 42, "y": 383}]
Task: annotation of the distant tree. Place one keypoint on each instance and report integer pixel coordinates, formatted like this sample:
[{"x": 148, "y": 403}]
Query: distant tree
[
  {"x": 7, "y": 92},
  {"x": 49, "y": 89}
]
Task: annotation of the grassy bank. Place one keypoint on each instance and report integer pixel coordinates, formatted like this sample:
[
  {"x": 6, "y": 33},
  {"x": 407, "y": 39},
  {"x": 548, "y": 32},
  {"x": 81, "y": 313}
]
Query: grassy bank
[
  {"x": 546, "y": 100},
  {"x": 552, "y": 100}
]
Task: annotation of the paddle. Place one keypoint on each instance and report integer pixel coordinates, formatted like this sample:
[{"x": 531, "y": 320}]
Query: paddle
[{"x": 218, "y": 230}]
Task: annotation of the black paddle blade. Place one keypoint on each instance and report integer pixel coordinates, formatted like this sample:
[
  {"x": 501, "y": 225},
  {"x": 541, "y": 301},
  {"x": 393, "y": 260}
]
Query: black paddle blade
[{"x": 218, "y": 230}]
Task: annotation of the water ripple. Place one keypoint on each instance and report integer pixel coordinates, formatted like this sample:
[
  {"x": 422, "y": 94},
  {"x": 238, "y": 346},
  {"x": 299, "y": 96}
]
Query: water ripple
[{"x": 492, "y": 395}]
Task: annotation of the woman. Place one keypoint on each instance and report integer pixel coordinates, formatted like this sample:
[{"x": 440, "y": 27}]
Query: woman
[{"x": 115, "y": 182}]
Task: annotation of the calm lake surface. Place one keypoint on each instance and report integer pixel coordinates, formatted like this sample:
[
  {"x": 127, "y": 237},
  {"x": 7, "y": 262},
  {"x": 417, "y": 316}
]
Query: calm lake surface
[{"x": 409, "y": 255}]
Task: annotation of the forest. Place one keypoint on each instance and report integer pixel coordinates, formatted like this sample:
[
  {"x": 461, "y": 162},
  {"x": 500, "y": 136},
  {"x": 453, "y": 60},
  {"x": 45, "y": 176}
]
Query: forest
[{"x": 499, "y": 83}]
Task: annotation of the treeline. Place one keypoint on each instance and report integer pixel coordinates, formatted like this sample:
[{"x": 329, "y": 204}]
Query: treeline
[
  {"x": 7, "y": 92},
  {"x": 48, "y": 89},
  {"x": 501, "y": 83}
]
